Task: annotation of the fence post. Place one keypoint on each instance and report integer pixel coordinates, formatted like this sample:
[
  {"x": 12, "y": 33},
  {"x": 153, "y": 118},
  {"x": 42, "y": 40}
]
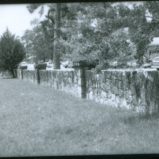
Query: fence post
[
  {"x": 22, "y": 73},
  {"x": 38, "y": 75},
  {"x": 15, "y": 73},
  {"x": 83, "y": 82}
]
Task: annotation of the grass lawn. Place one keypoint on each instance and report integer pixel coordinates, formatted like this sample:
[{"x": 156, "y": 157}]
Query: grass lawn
[{"x": 37, "y": 120}]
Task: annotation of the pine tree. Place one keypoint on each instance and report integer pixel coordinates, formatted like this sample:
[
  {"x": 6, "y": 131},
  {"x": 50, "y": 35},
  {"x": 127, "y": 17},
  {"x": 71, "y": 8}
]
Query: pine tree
[{"x": 11, "y": 52}]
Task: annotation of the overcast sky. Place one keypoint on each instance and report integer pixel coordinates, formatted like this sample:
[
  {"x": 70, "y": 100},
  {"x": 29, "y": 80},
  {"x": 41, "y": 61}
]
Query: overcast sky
[{"x": 17, "y": 18}]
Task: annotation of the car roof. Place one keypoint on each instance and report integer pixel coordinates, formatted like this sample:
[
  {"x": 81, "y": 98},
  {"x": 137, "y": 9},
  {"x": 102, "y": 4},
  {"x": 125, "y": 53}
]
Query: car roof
[{"x": 156, "y": 58}]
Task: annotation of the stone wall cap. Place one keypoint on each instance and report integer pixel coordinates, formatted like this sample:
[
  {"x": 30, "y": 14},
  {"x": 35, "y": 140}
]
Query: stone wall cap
[
  {"x": 130, "y": 70},
  {"x": 59, "y": 70}
]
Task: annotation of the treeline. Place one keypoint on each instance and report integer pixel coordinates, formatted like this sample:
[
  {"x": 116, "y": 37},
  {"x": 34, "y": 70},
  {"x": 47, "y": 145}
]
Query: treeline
[{"x": 103, "y": 32}]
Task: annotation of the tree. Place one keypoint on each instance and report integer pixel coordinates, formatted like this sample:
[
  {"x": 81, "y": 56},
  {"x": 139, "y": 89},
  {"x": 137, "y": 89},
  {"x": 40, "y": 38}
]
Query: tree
[
  {"x": 152, "y": 8},
  {"x": 12, "y": 52},
  {"x": 57, "y": 20},
  {"x": 100, "y": 35},
  {"x": 116, "y": 16},
  {"x": 139, "y": 32},
  {"x": 37, "y": 44},
  {"x": 94, "y": 30}
]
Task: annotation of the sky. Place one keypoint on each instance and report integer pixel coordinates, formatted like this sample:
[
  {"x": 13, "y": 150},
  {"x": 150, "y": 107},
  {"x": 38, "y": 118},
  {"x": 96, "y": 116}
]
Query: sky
[{"x": 17, "y": 18}]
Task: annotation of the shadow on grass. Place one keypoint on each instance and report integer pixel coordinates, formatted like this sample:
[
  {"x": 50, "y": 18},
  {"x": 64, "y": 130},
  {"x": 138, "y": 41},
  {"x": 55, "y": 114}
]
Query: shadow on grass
[
  {"x": 8, "y": 78},
  {"x": 141, "y": 117}
]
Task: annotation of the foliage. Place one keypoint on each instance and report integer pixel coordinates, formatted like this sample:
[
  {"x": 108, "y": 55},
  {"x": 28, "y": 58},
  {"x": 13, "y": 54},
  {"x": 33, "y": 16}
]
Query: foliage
[
  {"x": 107, "y": 40},
  {"x": 33, "y": 6},
  {"x": 117, "y": 47},
  {"x": 11, "y": 52},
  {"x": 60, "y": 35},
  {"x": 37, "y": 43},
  {"x": 139, "y": 32},
  {"x": 96, "y": 31}
]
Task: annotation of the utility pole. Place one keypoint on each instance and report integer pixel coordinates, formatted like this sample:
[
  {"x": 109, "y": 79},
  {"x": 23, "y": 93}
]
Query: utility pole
[
  {"x": 51, "y": 23},
  {"x": 57, "y": 49}
]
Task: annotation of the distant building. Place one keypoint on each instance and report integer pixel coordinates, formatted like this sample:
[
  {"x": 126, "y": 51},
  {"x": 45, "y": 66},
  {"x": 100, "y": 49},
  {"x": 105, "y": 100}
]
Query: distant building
[{"x": 153, "y": 49}]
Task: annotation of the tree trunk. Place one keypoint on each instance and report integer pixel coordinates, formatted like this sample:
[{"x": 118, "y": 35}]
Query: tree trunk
[
  {"x": 53, "y": 43},
  {"x": 13, "y": 73},
  {"x": 57, "y": 45},
  {"x": 83, "y": 82},
  {"x": 140, "y": 54}
]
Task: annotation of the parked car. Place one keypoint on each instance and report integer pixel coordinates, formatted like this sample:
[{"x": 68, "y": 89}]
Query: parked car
[
  {"x": 132, "y": 63},
  {"x": 147, "y": 65},
  {"x": 31, "y": 66},
  {"x": 41, "y": 66},
  {"x": 155, "y": 62},
  {"x": 23, "y": 65},
  {"x": 66, "y": 64},
  {"x": 49, "y": 65}
]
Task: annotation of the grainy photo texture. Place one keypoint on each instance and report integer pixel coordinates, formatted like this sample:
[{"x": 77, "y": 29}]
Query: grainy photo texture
[{"x": 79, "y": 78}]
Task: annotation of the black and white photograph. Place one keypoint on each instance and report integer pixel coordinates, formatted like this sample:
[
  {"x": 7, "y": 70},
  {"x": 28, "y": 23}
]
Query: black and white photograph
[{"x": 79, "y": 78}]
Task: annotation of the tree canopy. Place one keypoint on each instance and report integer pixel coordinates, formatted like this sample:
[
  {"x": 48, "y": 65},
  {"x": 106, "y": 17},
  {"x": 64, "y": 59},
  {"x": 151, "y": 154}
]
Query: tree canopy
[
  {"x": 37, "y": 44},
  {"x": 103, "y": 31}
]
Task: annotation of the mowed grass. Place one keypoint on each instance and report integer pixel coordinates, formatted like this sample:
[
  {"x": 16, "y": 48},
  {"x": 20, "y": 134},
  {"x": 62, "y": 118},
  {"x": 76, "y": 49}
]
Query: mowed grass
[{"x": 39, "y": 121}]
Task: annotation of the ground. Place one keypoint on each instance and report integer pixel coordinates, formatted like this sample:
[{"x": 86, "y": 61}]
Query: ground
[{"x": 37, "y": 120}]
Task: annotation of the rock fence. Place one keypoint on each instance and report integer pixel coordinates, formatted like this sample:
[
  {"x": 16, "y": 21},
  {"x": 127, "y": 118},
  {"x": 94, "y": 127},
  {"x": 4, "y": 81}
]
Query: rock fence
[
  {"x": 133, "y": 89},
  {"x": 67, "y": 81}
]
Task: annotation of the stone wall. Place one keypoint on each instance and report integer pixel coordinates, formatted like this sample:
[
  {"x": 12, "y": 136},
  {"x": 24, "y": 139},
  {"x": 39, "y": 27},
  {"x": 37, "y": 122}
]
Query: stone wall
[
  {"x": 5, "y": 74},
  {"x": 27, "y": 75},
  {"x": 133, "y": 89},
  {"x": 67, "y": 81}
]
